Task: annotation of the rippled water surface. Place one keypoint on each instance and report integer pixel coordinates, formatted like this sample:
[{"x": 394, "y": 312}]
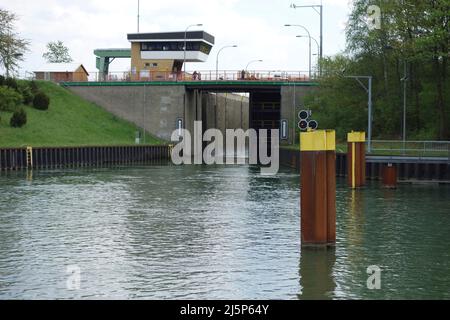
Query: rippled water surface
[{"x": 196, "y": 232}]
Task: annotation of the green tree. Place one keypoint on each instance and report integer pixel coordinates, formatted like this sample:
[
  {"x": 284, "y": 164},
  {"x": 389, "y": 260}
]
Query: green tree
[
  {"x": 57, "y": 52},
  {"x": 12, "y": 47},
  {"x": 414, "y": 35}
]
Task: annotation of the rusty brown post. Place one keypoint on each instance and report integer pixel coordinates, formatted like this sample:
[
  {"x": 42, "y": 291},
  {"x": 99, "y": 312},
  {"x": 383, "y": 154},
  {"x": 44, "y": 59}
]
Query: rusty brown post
[
  {"x": 356, "y": 162},
  {"x": 318, "y": 187},
  {"x": 390, "y": 176}
]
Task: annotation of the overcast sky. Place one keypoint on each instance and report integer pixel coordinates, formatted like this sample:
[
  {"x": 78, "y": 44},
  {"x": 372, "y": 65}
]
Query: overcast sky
[{"x": 256, "y": 26}]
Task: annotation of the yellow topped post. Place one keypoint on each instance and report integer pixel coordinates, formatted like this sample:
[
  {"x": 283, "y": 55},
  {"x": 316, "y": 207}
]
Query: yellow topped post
[
  {"x": 320, "y": 140},
  {"x": 318, "y": 187},
  {"x": 356, "y": 158},
  {"x": 356, "y": 137}
]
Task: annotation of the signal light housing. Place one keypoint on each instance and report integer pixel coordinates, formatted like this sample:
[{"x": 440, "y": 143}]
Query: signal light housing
[
  {"x": 313, "y": 125},
  {"x": 303, "y": 125}
]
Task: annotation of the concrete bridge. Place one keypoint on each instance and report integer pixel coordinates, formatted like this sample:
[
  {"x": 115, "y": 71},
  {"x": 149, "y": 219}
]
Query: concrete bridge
[{"x": 159, "y": 106}]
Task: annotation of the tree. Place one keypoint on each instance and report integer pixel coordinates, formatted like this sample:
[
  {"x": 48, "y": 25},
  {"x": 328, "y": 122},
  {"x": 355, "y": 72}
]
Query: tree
[
  {"x": 12, "y": 47},
  {"x": 57, "y": 52},
  {"x": 414, "y": 35}
]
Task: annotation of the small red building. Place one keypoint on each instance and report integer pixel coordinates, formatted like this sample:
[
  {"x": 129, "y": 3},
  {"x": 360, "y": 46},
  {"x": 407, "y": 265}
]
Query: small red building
[{"x": 62, "y": 72}]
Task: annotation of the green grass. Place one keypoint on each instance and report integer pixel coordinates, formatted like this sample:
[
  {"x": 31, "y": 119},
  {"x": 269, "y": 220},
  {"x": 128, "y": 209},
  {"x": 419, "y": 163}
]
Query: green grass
[
  {"x": 342, "y": 148},
  {"x": 69, "y": 121}
]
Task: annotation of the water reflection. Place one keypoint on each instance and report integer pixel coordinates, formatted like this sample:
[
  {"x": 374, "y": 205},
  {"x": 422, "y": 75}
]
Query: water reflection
[
  {"x": 316, "y": 273},
  {"x": 225, "y": 232}
]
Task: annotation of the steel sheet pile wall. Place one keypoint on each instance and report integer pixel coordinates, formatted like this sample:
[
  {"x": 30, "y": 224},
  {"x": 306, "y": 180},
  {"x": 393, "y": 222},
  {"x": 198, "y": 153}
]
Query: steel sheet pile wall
[
  {"x": 67, "y": 157},
  {"x": 415, "y": 169}
]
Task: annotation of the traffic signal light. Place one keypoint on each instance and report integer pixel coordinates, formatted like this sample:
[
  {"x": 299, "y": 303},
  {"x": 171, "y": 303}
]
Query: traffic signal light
[{"x": 305, "y": 122}]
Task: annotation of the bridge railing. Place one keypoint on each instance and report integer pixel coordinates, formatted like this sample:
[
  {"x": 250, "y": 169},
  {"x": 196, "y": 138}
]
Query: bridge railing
[
  {"x": 162, "y": 76},
  {"x": 201, "y": 75},
  {"x": 412, "y": 148}
]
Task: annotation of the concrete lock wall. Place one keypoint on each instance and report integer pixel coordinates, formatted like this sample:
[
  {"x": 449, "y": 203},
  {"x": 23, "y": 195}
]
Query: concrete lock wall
[
  {"x": 154, "y": 108},
  {"x": 226, "y": 111},
  {"x": 157, "y": 108}
]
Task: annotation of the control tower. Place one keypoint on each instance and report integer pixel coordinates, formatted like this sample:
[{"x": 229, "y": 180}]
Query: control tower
[{"x": 161, "y": 55}]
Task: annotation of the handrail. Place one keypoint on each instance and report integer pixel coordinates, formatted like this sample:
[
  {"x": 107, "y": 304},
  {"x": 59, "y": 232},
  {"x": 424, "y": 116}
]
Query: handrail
[{"x": 169, "y": 76}]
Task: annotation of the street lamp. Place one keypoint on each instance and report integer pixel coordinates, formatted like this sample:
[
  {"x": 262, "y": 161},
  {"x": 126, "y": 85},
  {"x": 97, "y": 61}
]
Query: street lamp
[
  {"x": 369, "y": 92},
  {"x": 253, "y": 61},
  {"x": 318, "y": 47},
  {"x": 309, "y": 35},
  {"x": 320, "y": 12},
  {"x": 138, "y": 15},
  {"x": 184, "y": 48},
  {"x": 217, "y": 59}
]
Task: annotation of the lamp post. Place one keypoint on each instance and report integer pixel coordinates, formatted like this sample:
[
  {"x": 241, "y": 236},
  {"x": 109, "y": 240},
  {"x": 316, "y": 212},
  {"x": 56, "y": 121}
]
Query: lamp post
[
  {"x": 138, "y": 15},
  {"x": 319, "y": 10},
  {"x": 184, "y": 48},
  {"x": 309, "y": 36},
  {"x": 404, "y": 80},
  {"x": 253, "y": 61},
  {"x": 369, "y": 92},
  {"x": 217, "y": 59},
  {"x": 318, "y": 47}
]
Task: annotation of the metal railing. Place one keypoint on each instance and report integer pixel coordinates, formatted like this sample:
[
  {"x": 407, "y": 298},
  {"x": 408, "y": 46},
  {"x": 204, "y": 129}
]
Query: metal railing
[
  {"x": 412, "y": 148},
  {"x": 201, "y": 75},
  {"x": 161, "y": 76}
]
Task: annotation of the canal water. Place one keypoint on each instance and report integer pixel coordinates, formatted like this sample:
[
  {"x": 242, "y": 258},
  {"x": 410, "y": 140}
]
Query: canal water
[{"x": 202, "y": 232}]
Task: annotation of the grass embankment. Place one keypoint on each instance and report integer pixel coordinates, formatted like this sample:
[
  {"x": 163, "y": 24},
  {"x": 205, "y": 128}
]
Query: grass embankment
[
  {"x": 384, "y": 150},
  {"x": 340, "y": 147},
  {"x": 69, "y": 121}
]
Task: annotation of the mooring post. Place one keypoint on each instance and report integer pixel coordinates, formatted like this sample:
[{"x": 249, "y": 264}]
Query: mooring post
[
  {"x": 318, "y": 187},
  {"x": 390, "y": 176},
  {"x": 356, "y": 156}
]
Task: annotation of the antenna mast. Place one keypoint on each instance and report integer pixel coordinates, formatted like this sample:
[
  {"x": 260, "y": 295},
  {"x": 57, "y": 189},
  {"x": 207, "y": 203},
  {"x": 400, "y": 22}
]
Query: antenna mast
[{"x": 138, "y": 16}]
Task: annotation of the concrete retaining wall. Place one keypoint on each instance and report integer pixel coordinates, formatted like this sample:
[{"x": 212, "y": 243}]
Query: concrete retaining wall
[{"x": 154, "y": 108}]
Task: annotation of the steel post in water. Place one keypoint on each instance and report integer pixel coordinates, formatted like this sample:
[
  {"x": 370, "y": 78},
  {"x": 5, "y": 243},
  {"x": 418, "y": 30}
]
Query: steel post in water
[
  {"x": 390, "y": 176},
  {"x": 318, "y": 187},
  {"x": 356, "y": 156}
]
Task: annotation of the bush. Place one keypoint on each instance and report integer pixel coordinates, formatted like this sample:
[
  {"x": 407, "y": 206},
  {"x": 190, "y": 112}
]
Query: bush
[
  {"x": 41, "y": 101},
  {"x": 11, "y": 83},
  {"x": 34, "y": 87},
  {"x": 18, "y": 119},
  {"x": 9, "y": 99},
  {"x": 27, "y": 94},
  {"x": 2, "y": 80}
]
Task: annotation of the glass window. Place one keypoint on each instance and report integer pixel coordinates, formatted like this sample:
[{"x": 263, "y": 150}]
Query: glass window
[{"x": 176, "y": 46}]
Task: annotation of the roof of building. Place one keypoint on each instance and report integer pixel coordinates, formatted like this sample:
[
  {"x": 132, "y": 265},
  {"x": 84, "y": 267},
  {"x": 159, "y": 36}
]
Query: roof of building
[
  {"x": 190, "y": 35},
  {"x": 60, "y": 67}
]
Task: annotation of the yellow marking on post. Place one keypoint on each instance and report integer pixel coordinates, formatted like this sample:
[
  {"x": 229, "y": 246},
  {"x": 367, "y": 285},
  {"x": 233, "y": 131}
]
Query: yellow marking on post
[
  {"x": 320, "y": 140},
  {"x": 353, "y": 165},
  {"x": 356, "y": 137},
  {"x": 353, "y": 138}
]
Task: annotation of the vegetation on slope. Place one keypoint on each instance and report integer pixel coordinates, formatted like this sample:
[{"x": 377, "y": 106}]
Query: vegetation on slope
[{"x": 69, "y": 121}]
